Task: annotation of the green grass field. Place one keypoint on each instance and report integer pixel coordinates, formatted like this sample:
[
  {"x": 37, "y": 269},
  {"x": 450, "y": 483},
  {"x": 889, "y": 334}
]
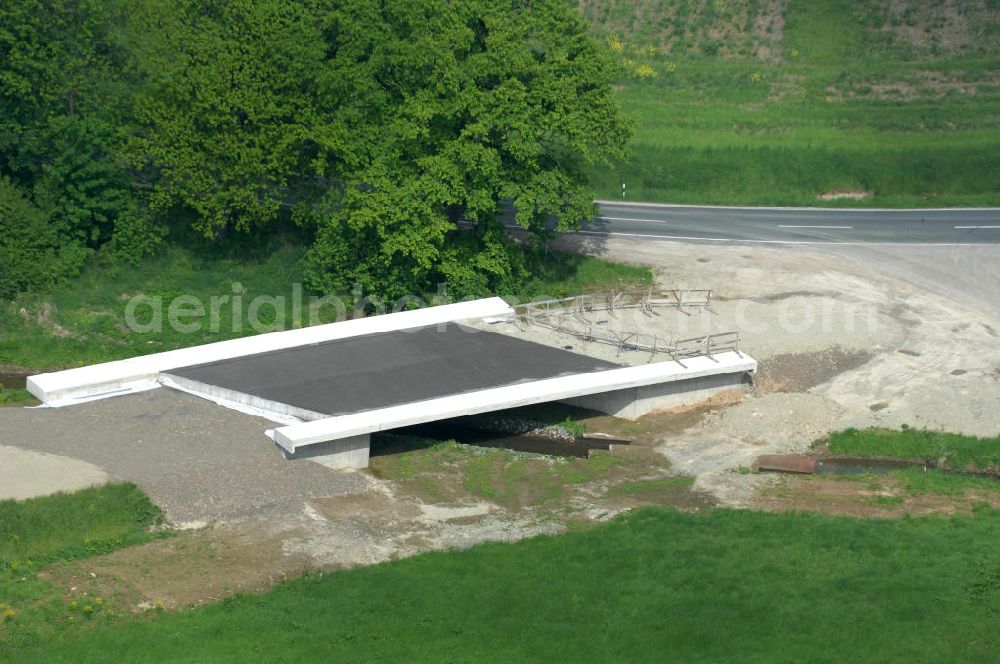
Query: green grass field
[
  {"x": 835, "y": 100},
  {"x": 657, "y": 585},
  {"x": 10, "y": 396},
  {"x": 41, "y": 531},
  {"x": 69, "y": 526},
  {"x": 86, "y": 322}
]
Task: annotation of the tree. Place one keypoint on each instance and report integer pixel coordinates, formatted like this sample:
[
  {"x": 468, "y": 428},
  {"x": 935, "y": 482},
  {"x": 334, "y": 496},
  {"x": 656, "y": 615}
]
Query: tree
[
  {"x": 468, "y": 105},
  {"x": 230, "y": 116},
  {"x": 32, "y": 255},
  {"x": 65, "y": 83},
  {"x": 380, "y": 125}
]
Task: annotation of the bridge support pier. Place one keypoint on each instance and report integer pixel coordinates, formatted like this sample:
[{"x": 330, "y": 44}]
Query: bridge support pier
[
  {"x": 352, "y": 452},
  {"x": 634, "y": 402}
]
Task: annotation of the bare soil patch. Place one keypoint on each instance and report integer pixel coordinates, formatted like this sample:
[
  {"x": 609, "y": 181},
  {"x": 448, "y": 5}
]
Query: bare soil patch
[
  {"x": 845, "y": 195},
  {"x": 945, "y": 27},
  {"x": 188, "y": 569},
  {"x": 650, "y": 429},
  {"x": 442, "y": 497},
  {"x": 925, "y": 84},
  {"x": 745, "y": 30},
  {"x": 798, "y": 372},
  {"x": 879, "y": 497}
]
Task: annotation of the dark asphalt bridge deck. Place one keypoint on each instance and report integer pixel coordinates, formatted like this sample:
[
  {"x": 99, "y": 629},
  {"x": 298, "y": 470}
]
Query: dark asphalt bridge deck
[{"x": 381, "y": 370}]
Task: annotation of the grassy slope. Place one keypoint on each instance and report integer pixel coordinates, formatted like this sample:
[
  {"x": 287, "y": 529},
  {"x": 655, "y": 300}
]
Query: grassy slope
[
  {"x": 837, "y": 103},
  {"x": 957, "y": 450},
  {"x": 40, "y": 531},
  {"x": 917, "y": 481},
  {"x": 656, "y": 585},
  {"x": 14, "y": 396},
  {"x": 85, "y": 323}
]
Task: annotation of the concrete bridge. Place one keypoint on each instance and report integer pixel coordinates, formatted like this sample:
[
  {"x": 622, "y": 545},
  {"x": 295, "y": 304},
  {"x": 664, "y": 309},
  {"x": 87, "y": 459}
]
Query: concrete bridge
[{"x": 331, "y": 386}]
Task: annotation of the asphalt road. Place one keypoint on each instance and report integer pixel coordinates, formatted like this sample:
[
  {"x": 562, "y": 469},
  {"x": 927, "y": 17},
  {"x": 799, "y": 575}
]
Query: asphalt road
[{"x": 837, "y": 226}]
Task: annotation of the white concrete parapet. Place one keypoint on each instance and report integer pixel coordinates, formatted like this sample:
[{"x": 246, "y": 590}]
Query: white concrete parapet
[
  {"x": 291, "y": 438},
  {"x": 109, "y": 379}
]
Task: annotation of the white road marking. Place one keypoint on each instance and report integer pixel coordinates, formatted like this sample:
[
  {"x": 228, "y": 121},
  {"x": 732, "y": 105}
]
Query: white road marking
[
  {"x": 978, "y": 228},
  {"x": 748, "y": 241},
  {"x": 830, "y": 227},
  {"x": 727, "y": 239},
  {"x": 652, "y": 221},
  {"x": 621, "y": 203}
]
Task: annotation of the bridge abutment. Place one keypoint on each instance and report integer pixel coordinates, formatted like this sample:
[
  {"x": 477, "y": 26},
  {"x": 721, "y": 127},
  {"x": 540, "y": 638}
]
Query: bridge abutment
[{"x": 635, "y": 402}]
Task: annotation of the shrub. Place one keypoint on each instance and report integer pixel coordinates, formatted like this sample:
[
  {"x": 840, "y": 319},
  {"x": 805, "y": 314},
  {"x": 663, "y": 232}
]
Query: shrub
[{"x": 32, "y": 255}]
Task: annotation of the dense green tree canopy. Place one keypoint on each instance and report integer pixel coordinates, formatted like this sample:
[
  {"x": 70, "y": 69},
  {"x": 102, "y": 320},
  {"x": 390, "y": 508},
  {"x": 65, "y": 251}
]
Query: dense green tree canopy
[
  {"x": 379, "y": 127},
  {"x": 65, "y": 108},
  {"x": 32, "y": 254}
]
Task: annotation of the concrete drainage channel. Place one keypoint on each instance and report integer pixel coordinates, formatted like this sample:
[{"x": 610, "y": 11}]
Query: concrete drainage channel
[{"x": 805, "y": 464}]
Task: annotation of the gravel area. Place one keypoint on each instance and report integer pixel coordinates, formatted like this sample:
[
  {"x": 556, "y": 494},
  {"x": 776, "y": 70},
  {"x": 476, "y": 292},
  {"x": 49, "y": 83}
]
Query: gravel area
[
  {"x": 932, "y": 356},
  {"x": 198, "y": 461},
  {"x": 865, "y": 336},
  {"x": 726, "y": 441},
  {"x": 777, "y": 422},
  {"x": 801, "y": 321}
]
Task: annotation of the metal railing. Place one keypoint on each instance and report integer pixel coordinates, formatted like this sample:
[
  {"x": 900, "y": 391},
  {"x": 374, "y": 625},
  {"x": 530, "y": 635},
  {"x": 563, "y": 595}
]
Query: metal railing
[
  {"x": 613, "y": 301},
  {"x": 569, "y": 316}
]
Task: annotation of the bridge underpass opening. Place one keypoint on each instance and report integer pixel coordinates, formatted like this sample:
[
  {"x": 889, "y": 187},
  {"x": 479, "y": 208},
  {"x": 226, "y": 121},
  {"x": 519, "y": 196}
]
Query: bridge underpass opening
[{"x": 538, "y": 429}]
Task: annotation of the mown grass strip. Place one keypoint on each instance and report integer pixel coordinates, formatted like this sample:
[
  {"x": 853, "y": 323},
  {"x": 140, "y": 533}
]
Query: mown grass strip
[{"x": 657, "y": 585}]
